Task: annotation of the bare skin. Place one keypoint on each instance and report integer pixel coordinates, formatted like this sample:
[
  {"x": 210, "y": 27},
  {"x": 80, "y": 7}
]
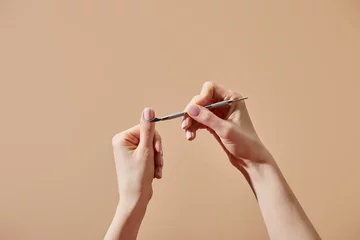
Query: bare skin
[
  {"x": 138, "y": 160},
  {"x": 233, "y": 129}
]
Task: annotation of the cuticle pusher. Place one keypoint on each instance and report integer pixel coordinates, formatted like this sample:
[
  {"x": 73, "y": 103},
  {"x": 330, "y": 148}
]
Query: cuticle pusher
[{"x": 214, "y": 105}]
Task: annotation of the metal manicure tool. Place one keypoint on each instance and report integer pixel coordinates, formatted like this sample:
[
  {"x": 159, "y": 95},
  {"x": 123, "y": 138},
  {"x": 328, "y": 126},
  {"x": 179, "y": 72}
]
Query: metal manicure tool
[{"x": 214, "y": 105}]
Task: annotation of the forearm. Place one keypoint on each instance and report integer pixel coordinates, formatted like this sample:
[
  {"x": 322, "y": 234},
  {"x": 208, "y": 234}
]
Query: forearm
[
  {"x": 126, "y": 222},
  {"x": 283, "y": 215}
]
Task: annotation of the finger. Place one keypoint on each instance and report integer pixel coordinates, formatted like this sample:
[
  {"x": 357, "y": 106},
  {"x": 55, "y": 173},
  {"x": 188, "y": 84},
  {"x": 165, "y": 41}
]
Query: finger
[
  {"x": 147, "y": 129},
  {"x": 196, "y": 125},
  {"x": 135, "y": 132},
  {"x": 130, "y": 135},
  {"x": 158, "y": 173},
  {"x": 207, "y": 118},
  {"x": 187, "y": 121},
  {"x": 159, "y": 163},
  {"x": 157, "y": 142},
  {"x": 210, "y": 93},
  {"x": 215, "y": 91},
  {"x": 190, "y": 134}
]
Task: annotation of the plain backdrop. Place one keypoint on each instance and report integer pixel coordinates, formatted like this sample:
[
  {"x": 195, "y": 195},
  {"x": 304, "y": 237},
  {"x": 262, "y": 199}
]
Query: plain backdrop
[{"x": 75, "y": 72}]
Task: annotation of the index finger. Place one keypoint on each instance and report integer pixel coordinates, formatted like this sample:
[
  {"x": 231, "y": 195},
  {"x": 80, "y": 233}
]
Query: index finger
[{"x": 211, "y": 91}]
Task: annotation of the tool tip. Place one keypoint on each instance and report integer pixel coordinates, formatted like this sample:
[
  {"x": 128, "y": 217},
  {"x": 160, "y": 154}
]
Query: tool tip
[{"x": 155, "y": 120}]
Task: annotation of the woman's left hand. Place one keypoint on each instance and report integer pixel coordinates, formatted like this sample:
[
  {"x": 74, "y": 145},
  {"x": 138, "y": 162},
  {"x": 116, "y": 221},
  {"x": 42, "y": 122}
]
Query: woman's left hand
[{"x": 138, "y": 158}]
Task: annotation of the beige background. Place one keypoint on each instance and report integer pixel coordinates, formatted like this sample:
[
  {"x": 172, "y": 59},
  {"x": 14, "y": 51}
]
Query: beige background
[{"x": 75, "y": 72}]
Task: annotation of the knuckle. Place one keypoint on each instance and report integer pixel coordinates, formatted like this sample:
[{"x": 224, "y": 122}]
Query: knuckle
[
  {"x": 208, "y": 89},
  {"x": 195, "y": 98},
  {"x": 192, "y": 99},
  {"x": 235, "y": 94},
  {"x": 117, "y": 138},
  {"x": 208, "y": 84}
]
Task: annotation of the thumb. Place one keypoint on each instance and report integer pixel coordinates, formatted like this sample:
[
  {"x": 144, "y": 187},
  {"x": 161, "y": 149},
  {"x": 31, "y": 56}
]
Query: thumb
[
  {"x": 147, "y": 129},
  {"x": 209, "y": 119}
]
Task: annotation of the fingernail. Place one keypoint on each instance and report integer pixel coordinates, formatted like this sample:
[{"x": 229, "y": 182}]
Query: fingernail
[
  {"x": 188, "y": 134},
  {"x": 157, "y": 146},
  {"x": 194, "y": 110},
  {"x": 160, "y": 172},
  {"x": 183, "y": 124},
  {"x": 148, "y": 114}
]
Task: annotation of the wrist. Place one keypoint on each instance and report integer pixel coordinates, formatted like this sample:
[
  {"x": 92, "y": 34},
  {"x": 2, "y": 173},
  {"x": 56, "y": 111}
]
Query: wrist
[
  {"x": 259, "y": 175},
  {"x": 135, "y": 197},
  {"x": 260, "y": 171},
  {"x": 131, "y": 208},
  {"x": 129, "y": 214},
  {"x": 133, "y": 202}
]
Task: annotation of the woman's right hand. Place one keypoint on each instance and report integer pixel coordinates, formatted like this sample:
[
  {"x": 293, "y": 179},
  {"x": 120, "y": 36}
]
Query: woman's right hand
[{"x": 231, "y": 126}]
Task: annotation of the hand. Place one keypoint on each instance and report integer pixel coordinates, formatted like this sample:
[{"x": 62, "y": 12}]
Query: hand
[
  {"x": 138, "y": 159},
  {"x": 231, "y": 126}
]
